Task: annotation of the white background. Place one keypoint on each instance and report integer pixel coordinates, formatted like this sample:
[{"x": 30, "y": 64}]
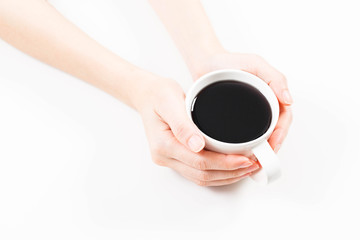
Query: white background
[{"x": 75, "y": 164}]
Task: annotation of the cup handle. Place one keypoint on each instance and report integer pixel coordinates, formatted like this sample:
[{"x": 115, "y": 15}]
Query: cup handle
[{"x": 269, "y": 161}]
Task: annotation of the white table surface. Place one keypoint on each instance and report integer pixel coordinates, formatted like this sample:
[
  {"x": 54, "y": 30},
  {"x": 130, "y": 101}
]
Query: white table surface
[{"x": 75, "y": 164}]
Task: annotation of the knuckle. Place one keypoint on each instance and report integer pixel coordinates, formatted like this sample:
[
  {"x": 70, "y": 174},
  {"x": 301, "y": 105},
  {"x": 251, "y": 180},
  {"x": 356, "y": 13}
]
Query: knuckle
[
  {"x": 180, "y": 130},
  {"x": 157, "y": 160},
  {"x": 282, "y": 77},
  {"x": 201, "y": 183},
  {"x": 256, "y": 58},
  {"x": 291, "y": 116},
  {"x": 157, "y": 148},
  {"x": 161, "y": 147},
  {"x": 201, "y": 164},
  {"x": 204, "y": 176}
]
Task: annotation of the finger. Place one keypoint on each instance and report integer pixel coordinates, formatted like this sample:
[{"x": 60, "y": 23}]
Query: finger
[
  {"x": 276, "y": 80},
  {"x": 208, "y": 175},
  {"x": 219, "y": 182},
  {"x": 281, "y": 128},
  {"x": 185, "y": 131},
  {"x": 208, "y": 160}
]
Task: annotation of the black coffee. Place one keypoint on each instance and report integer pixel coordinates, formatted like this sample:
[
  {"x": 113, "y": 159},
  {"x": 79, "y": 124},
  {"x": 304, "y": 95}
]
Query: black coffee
[{"x": 231, "y": 111}]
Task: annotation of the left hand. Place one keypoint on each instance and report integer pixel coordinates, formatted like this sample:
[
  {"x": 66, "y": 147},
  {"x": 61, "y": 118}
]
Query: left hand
[{"x": 258, "y": 66}]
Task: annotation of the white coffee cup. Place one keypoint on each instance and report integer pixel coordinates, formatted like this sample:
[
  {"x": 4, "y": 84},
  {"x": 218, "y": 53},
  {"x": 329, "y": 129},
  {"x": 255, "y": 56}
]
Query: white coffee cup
[{"x": 260, "y": 147}]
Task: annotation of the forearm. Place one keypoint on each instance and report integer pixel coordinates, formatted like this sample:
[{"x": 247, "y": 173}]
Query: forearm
[
  {"x": 188, "y": 25},
  {"x": 36, "y": 28}
]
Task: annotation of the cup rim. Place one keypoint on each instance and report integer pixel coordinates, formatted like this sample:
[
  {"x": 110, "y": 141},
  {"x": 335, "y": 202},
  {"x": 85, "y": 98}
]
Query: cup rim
[{"x": 241, "y": 76}]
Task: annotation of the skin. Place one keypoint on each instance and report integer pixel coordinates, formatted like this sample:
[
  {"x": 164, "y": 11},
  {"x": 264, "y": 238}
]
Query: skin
[{"x": 175, "y": 142}]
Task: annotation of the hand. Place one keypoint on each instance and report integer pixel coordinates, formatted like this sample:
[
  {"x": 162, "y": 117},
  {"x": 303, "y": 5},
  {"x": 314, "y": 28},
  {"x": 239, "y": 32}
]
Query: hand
[
  {"x": 258, "y": 66},
  {"x": 176, "y": 142}
]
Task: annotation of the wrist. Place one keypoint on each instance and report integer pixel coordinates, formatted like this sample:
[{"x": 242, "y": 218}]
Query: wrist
[
  {"x": 145, "y": 89},
  {"x": 142, "y": 84},
  {"x": 122, "y": 80},
  {"x": 198, "y": 63}
]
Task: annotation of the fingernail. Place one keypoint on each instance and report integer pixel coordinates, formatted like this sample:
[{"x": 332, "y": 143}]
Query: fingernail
[
  {"x": 196, "y": 143},
  {"x": 253, "y": 167},
  {"x": 277, "y": 148},
  {"x": 246, "y": 164},
  {"x": 244, "y": 176},
  {"x": 287, "y": 97},
  {"x": 248, "y": 174}
]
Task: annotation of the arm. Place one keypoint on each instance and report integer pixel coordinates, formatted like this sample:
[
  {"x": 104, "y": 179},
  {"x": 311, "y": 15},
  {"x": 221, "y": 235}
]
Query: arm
[
  {"x": 36, "y": 28},
  {"x": 188, "y": 25},
  {"x": 191, "y": 31}
]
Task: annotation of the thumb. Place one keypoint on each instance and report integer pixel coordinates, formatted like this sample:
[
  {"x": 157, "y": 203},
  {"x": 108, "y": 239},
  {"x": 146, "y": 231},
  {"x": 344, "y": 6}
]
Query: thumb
[
  {"x": 276, "y": 80},
  {"x": 184, "y": 130}
]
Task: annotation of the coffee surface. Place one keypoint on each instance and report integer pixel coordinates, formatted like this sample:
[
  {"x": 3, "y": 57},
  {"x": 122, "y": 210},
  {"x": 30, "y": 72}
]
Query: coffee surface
[{"x": 231, "y": 111}]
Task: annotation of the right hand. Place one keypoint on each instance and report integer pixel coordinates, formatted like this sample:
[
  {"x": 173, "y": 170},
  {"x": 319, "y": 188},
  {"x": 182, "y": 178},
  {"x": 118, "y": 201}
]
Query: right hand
[{"x": 177, "y": 143}]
